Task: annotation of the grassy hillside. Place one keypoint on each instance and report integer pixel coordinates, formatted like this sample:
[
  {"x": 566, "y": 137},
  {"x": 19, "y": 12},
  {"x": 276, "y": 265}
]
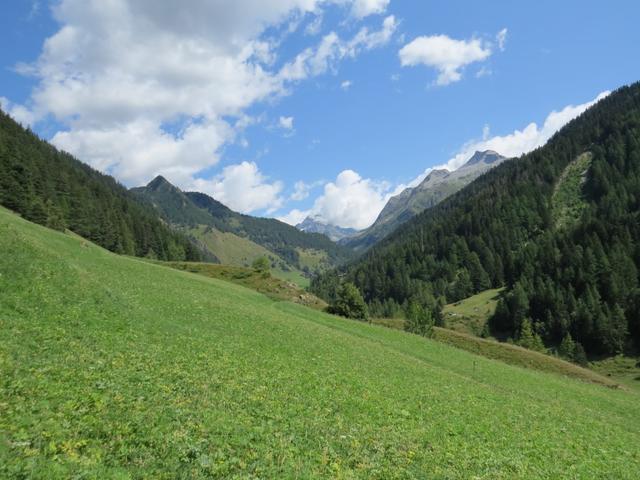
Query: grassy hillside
[
  {"x": 471, "y": 314},
  {"x": 230, "y": 249},
  {"x": 568, "y": 201},
  {"x": 111, "y": 367},
  {"x": 271, "y": 286}
]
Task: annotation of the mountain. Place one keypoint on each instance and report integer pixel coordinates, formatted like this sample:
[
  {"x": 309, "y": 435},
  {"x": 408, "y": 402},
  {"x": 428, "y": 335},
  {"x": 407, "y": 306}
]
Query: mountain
[
  {"x": 335, "y": 233},
  {"x": 558, "y": 227},
  {"x": 437, "y": 185},
  {"x": 113, "y": 368},
  {"x": 50, "y": 187},
  {"x": 173, "y": 205},
  {"x": 237, "y": 239}
]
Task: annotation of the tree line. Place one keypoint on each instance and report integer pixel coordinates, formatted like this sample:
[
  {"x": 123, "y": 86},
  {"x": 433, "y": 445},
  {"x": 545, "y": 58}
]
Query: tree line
[{"x": 50, "y": 187}]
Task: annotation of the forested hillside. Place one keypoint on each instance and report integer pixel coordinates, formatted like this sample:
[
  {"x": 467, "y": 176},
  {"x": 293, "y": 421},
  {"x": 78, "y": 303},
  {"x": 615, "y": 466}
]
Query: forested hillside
[
  {"x": 572, "y": 275},
  {"x": 273, "y": 234},
  {"x": 52, "y": 188},
  {"x": 236, "y": 239}
]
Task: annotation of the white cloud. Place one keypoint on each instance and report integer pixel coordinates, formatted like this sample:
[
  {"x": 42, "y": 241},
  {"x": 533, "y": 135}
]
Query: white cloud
[
  {"x": 501, "y": 38},
  {"x": 301, "y": 191},
  {"x": 18, "y": 112},
  {"x": 516, "y": 143},
  {"x": 314, "y": 26},
  {"x": 350, "y": 201},
  {"x": 242, "y": 187},
  {"x": 286, "y": 123},
  {"x": 363, "y": 8},
  {"x": 142, "y": 90},
  {"x": 448, "y": 56},
  {"x": 346, "y": 85},
  {"x": 136, "y": 149},
  {"x": 332, "y": 49}
]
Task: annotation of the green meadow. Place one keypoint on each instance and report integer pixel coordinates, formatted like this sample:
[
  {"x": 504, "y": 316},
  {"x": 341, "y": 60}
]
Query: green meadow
[{"x": 116, "y": 368}]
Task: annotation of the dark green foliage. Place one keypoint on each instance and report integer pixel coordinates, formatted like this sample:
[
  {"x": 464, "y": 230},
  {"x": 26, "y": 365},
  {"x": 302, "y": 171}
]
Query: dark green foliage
[
  {"x": 419, "y": 320},
  {"x": 349, "y": 303},
  {"x": 52, "y": 188},
  {"x": 173, "y": 204},
  {"x": 572, "y": 351},
  {"x": 581, "y": 279},
  {"x": 528, "y": 338},
  {"x": 262, "y": 265}
]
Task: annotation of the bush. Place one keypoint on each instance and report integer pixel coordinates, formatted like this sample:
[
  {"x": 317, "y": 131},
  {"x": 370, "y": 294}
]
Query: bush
[
  {"x": 262, "y": 265},
  {"x": 420, "y": 320},
  {"x": 349, "y": 303}
]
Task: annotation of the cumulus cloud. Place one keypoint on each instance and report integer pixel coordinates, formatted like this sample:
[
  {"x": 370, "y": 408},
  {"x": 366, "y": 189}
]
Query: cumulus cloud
[
  {"x": 447, "y": 55},
  {"x": 142, "y": 90},
  {"x": 302, "y": 190},
  {"x": 332, "y": 49},
  {"x": 517, "y": 142},
  {"x": 243, "y": 188},
  {"x": 20, "y": 113},
  {"x": 363, "y": 8},
  {"x": 295, "y": 216},
  {"x": 346, "y": 85},
  {"x": 350, "y": 202}
]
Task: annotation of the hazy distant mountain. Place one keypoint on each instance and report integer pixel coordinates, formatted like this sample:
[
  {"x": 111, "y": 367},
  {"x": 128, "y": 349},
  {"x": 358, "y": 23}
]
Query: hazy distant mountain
[
  {"x": 315, "y": 225},
  {"x": 437, "y": 186}
]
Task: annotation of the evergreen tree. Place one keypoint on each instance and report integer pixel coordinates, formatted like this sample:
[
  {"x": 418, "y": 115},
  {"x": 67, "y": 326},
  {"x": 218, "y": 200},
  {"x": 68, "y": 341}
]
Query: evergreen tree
[{"x": 349, "y": 303}]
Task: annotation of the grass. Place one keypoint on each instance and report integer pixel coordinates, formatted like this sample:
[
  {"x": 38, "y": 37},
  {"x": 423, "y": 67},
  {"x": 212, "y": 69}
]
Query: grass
[
  {"x": 625, "y": 370},
  {"x": 568, "y": 200},
  {"x": 273, "y": 287},
  {"x": 471, "y": 314},
  {"x": 115, "y": 368},
  {"x": 511, "y": 354},
  {"x": 233, "y": 250}
]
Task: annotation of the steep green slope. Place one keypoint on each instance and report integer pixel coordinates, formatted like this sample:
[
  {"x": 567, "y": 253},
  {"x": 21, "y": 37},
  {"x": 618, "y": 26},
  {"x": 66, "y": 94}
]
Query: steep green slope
[
  {"x": 500, "y": 230},
  {"x": 230, "y": 249},
  {"x": 568, "y": 200},
  {"x": 52, "y": 188},
  {"x": 111, "y": 367},
  {"x": 471, "y": 314}
]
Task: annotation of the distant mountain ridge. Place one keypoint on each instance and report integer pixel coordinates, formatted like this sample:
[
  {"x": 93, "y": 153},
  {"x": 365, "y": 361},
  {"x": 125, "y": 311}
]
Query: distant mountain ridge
[
  {"x": 316, "y": 225},
  {"x": 436, "y": 186},
  {"x": 238, "y": 239}
]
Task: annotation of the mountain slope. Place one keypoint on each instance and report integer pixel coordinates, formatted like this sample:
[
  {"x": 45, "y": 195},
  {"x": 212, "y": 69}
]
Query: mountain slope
[
  {"x": 239, "y": 239},
  {"x": 314, "y": 225},
  {"x": 173, "y": 205},
  {"x": 436, "y": 186},
  {"x": 580, "y": 281},
  {"x": 283, "y": 239},
  {"x": 52, "y": 188},
  {"x": 116, "y": 368}
]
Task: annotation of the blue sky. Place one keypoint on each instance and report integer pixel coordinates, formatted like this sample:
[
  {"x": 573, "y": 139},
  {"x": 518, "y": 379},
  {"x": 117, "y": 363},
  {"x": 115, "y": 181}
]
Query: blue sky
[{"x": 290, "y": 108}]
